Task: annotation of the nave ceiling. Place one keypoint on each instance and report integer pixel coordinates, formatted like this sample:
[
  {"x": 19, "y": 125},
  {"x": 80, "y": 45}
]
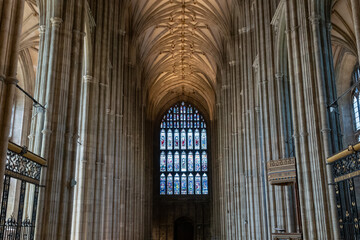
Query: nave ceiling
[{"x": 180, "y": 45}]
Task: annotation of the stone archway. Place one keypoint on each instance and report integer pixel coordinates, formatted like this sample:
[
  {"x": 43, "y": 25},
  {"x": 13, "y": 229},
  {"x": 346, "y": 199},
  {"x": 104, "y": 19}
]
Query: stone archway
[{"x": 183, "y": 229}]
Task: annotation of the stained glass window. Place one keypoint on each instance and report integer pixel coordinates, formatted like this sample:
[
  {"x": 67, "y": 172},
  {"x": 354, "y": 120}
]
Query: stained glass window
[
  {"x": 183, "y": 139},
  {"x": 197, "y": 184},
  {"x": 191, "y": 184},
  {"x": 177, "y": 184},
  {"x": 356, "y": 98},
  {"x": 183, "y": 152},
  {"x": 169, "y": 140},
  {"x": 162, "y": 184},
  {"x": 197, "y": 162},
  {"x": 190, "y": 139},
  {"x": 197, "y": 139},
  {"x": 169, "y": 184},
  {"x": 204, "y": 162},
  {"x": 183, "y": 184},
  {"x": 190, "y": 162},
  {"x": 162, "y": 140},
  {"x": 162, "y": 162},
  {"x": 176, "y": 139},
  {"x": 203, "y": 139},
  {"x": 170, "y": 162},
  {"x": 183, "y": 162},
  {"x": 205, "y": 184},
  {"x": 176, "y": 162}
]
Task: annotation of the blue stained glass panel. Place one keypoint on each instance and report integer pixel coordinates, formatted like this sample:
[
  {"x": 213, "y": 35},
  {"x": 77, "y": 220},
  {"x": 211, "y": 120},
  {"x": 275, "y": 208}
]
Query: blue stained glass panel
[
  {"x": 190, "y": 139},
  {"x": 197, "y": 162},
  {"x": 162, "y": 184},
  {"x": 169, "y": 140},
  {"x": 176, "y": 139},
  {"x": 191, "y": 184},
  {"x": 204, "y": 162},
  {"x": 162, "y": 140},
  {"x": 170, "y": 162},
  {"x": 183, "y": 184},
  {"x": 185, "y": 168},
  {"x": 183, "y": 139},
  {"x": 197, "y": 139},
  {"x": 190, "y": 162},
  {"x": 205, "y": 184},
  {"x": 177, "y": 184},
  {"x": 162, "y": 162},
  {"x": 203, "y": 139},
  {"x": 169, "y": 184},
  {"x": 197, "y": 184},
  {"x": 183, "y": 162},
  {"x": 176, "y": 162}
]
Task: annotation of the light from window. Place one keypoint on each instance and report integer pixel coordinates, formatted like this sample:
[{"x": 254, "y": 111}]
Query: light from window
[
  {"x": 356, "y": 98},
  {"x": 183, "y": 152}
]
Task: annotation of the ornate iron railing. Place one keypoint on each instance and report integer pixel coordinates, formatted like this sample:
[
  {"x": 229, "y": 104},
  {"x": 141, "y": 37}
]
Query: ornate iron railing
[
  {"x": 345, "y": 168},
  {"x": 25, "y": 167}
]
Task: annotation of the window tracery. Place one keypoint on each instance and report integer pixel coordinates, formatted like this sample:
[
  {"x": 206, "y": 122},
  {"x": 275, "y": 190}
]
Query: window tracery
[{"x": 183, "y": 152}]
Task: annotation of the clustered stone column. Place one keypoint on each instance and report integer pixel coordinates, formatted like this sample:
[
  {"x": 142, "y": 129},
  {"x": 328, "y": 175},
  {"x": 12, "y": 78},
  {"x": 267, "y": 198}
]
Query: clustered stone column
[
  {"x": 11, "y": 14},
  {"x": 54, "y": 133},
  {"x": 259, "y": 102}
]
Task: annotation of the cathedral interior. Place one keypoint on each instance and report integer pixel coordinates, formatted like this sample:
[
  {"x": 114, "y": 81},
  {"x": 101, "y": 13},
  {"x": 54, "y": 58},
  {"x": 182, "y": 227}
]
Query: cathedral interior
[{"x": 180, "y": 119}]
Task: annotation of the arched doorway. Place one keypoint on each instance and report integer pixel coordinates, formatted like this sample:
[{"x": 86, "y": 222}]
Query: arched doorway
[{"x": 183, "y": 229}]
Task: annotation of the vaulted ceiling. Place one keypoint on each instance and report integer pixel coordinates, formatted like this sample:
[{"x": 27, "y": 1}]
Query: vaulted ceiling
[
  {"x": 29, "y": 46},
  {"x": 180, "y": 44},
  {"x": 342, "y": 34}
]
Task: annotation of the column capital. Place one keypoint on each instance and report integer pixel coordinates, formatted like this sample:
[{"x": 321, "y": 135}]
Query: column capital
[
  {"x": 315, "y": 19},
  {"x": 42, "y": 29},
  {"x": 11, "y": 80},
  {"x": 56, "y": 21}
]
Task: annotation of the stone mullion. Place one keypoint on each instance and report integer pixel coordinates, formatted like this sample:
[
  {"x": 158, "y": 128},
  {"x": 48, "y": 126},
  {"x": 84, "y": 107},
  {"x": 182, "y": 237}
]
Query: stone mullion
[
  {"x": 309, "y": 215},
  {"x": 10, "y": 29}
]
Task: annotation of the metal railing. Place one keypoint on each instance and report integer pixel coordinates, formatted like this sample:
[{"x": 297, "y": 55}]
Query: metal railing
[{"x": 25, "y": 167}]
